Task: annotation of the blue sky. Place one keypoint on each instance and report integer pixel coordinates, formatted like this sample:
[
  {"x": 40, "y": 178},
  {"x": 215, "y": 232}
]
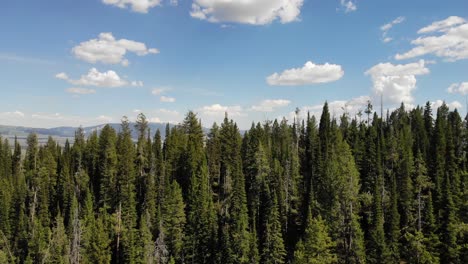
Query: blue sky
[{"x": 65, "y": 62}]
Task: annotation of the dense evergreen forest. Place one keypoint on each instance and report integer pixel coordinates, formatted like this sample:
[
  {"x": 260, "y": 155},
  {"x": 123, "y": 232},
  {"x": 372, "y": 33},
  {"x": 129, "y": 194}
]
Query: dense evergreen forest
[{"x": 362, "y": 189}]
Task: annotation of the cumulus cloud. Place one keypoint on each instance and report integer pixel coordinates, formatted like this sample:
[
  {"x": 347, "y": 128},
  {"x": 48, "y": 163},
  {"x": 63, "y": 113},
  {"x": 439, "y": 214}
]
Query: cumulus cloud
[
  {"x": 99, "y": 79},
  {"x": 167, "y": 99},
  {"x": 166, "y": 116},
  {"x": 310, "y": 73},
  {"x": 458, "y": 88},
  {"x": 254, "y": 12},
  {"x": 77, "y": 90},
  {"x": 348, "y": 6},
  {"x": 161, "y": 115},
  {"x": 61, "y": 76},
  {"x": 270, "y": 105},
  {"x": 136, "y": 83},
  {"x": 106, "y": 49},
  {"x": 336, "y": 108},
  {"x": 218, "y": 110},
  {"x": 447, "y": 39},
  {"x": 385, "y": 28},
  {"x": 169, "y": 116},
  {"x": 155, "y": 120},
  {"x": 387, "y": 39},
  {"x": 159, "y": 90},
  {"x": 453, "y": 105},
  {"x": 396, "y": 82},
  {"x": 140, "y": 6}
]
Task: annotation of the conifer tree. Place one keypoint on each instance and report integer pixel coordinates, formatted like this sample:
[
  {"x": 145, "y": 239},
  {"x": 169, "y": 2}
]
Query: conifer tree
[
  {"x": 316, "y": 246},
  {"x": 107, "y": 168},
  {"x": 273, "y": 250},
  {"x": 173, "y": 222},
  {"x": 346, "y": 231},
  {"x": 200, "y": 217},
  {"x": 126, "y": 196},
  {"x": 58, "y": 250}
]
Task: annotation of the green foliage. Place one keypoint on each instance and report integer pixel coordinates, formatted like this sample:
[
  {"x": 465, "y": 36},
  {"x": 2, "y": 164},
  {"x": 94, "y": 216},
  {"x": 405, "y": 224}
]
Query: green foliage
[
  {"x": 316, "y": 246},
  {"x": 273, "y": 250},
  {"x": 173, "y": 221},
  {"x": 381, "y": 190}
]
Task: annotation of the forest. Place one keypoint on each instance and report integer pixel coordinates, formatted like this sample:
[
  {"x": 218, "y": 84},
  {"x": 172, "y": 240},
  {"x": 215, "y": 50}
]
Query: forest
[{"x": 372, "y": 188}]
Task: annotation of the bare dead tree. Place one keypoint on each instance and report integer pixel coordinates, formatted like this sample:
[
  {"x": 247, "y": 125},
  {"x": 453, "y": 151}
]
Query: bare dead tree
[{"x": 76, "y": 239}]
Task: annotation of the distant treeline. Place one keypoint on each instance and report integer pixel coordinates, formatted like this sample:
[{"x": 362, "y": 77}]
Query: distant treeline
[{"x": 353, "y": 190}]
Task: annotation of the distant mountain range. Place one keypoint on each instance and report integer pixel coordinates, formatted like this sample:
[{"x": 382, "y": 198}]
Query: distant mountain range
[{"x": 61, "y": 134}]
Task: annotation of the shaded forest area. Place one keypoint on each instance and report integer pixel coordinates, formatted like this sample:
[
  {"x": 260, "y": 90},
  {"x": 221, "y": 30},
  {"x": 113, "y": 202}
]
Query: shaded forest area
[{"x": 354, "y": 190}]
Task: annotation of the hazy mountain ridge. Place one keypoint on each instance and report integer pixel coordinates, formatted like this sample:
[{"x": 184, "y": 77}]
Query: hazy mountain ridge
[{"x": 61, "y": 134}]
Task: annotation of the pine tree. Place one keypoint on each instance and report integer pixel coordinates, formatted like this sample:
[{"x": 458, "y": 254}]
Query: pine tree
[
  {"x": 58, "y": 250},
  {"x": 98, "y": 250},
  {"x": 233, "y": 217},
  {"x": 316, "y": 245},
  {"x": 200, "y": 218},
  {"x": 107, "y": 168},
  {"x": 126, "y": 195},
  {"x": 273, "y": 250},
  {"x": 417, "y": 246},
  {"x": 346, "y": 231},
  {"x": 377, "y": 247},
  {"x": 173, "y": 222},
  {"x": 450, "y": 248},
  {"x": 145, "y": 246}
]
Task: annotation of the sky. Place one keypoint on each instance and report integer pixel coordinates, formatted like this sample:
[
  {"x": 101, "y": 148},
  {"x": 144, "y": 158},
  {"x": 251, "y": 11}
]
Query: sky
[{"x": 88, "y": 62}]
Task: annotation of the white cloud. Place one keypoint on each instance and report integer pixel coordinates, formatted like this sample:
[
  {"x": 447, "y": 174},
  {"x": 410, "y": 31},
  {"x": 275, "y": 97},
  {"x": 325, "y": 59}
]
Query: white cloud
[
  {"x": 254, "y": 12},
  {"x": 99, "y": 79},
  {"x": 106, "y": 49},
  {"x": 449, "y": 40},
  {"x": 310, "y": 73},
  {"x": 218, "y": 110},
  {"x": 155, "y": 120},
  {"x": 61, "y": 76},
  {"x": 137, "y": 83},
  {"x": 76, "y": 90},
  {"x": 169, "y": 112},
  {"x": 396, "y": 21},
  {"x": 160, "y": 90},
  {"x": 442, "y": 25},
  {"x": 336, "y": 108},
  {"x": 396, "y": 82},
  {"x": 47, "y": 120},
  {"x": 161, "y": 115},
  {"x": 387, "y": 39},
  {"x": 458, "y": 88},
  {"x": 14, "y": 114},
  {"x": 453, "y": 105},
  {"x": 166, "y": 116},
  {"x": 385, "y": 28},
  {"x": 167, "y": 99},
  {"x": 348, "y": 5},
  {"x": 140, "y": 6},
  {"x": 270, "y": 105},
  {"x": 104, "y": 119}
]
